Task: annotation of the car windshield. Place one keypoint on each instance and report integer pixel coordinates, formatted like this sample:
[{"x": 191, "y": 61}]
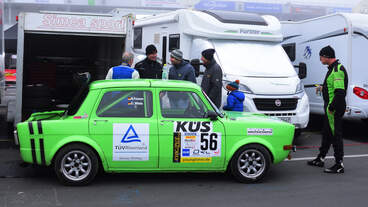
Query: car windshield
[{"x": 253, "y": 59}]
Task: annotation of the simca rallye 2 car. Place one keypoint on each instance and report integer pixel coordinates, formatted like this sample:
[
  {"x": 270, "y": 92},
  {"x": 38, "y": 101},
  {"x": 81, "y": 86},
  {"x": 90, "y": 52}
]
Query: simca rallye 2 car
[{"x": 151, "y": 126}]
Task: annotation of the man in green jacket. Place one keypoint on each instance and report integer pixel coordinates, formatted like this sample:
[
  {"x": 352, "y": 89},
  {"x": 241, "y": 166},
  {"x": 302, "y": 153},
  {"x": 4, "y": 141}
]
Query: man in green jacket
[{"x": 334, "y": 92}]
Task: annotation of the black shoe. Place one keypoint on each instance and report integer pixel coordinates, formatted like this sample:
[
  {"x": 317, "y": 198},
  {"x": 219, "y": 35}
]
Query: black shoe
[
  {"x": 319, "y": 162},
  {"x": 337, "y": 168}
]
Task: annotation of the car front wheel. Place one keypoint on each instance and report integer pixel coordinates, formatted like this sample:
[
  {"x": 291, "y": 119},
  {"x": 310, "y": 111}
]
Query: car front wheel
[
  {"x": 250, "y": 163},
  {"x": 76, "y": 164}
]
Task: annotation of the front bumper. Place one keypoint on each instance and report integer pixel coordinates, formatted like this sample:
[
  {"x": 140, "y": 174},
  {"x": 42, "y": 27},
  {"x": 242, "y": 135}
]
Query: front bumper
[{"x": 299, "y": 117}]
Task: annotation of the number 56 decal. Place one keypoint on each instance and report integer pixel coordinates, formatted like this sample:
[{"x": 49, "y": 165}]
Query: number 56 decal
[{"x": 209, "y": 140}]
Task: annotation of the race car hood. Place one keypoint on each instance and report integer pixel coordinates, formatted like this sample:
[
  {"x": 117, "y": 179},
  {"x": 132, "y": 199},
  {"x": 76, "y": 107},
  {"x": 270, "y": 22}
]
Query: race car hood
[{"x": 247, "y": 116}]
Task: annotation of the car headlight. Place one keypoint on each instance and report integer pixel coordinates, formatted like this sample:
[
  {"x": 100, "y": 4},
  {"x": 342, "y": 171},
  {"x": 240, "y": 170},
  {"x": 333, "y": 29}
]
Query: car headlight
[
  {"x": 242, "y": 88},
  {"x": 299, "y": 88}
]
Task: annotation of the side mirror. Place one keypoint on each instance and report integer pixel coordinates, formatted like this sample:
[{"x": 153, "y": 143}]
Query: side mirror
[
  {"x": 302, "y": 70},
  {"x": 212, "y": 115},
  {"x": 196, "y": 64}
]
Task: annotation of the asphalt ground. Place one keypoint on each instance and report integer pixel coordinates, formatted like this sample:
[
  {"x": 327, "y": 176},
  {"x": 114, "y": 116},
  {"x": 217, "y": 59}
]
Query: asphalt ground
[{"x": 290, "y": 183}]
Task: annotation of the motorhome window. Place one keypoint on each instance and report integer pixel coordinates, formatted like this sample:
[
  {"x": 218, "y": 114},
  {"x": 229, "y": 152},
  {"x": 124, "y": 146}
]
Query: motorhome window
[
  {"x": 174, "y": 42},
  {"x": 138, "y": 38},
  {"x": 237, "y": 17},
  {"x": 290, "y": 50}
]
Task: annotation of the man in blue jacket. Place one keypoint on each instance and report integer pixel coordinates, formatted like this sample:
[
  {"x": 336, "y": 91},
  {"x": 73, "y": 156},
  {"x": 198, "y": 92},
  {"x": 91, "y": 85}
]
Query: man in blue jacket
[
  {"x": 123, "y": 71},
  {"x": 235, "y": 98}
]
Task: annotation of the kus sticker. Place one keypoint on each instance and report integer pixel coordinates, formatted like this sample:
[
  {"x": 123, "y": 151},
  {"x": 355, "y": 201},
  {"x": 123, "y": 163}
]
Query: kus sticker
[{"x": 196, "y": 142}]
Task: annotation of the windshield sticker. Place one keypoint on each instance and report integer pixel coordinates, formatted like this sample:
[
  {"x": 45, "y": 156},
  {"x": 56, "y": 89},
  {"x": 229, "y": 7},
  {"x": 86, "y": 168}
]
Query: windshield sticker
[
  {"x": 130, "y": 142},
  {"x": 195, "y": 142},
  {"x": 259, "y": 131}
]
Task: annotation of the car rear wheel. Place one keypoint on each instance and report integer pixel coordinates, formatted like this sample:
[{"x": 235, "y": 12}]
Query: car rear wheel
[
  {"x": 76, "y": 164},
  {"x": 250, "y": 163}
]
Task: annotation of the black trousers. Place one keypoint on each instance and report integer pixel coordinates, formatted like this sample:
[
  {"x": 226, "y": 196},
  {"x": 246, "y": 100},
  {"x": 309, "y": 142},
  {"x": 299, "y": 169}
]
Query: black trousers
[{"x": 332, "y": 136}]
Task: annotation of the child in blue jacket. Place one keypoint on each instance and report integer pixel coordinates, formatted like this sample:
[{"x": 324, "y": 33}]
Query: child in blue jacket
[{"x": 235, "y": 98}]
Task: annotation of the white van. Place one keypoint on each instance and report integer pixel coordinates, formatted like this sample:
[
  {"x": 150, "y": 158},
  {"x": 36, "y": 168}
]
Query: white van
[
  {"x": 247, "y": 48},
  {"x": 348, "y": 35}
]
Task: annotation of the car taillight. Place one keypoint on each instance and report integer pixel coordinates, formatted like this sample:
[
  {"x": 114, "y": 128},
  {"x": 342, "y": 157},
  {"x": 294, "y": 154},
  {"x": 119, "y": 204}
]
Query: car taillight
[{"x": 361, "y": 93}]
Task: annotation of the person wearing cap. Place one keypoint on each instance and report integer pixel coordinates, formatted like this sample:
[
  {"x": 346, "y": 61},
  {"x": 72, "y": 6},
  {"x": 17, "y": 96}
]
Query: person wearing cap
[
  {"x": 235, "y": 98},
  {"x": 333, "y": 92},
  {"x": 123, "y": 71},
  {"x": 212, "y": 77},
  {"x": 149, "y": 67},
  {"x": 180, "y": 69}
]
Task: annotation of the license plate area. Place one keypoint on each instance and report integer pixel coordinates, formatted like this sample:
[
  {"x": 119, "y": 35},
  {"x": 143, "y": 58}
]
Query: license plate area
[{"x": 285, "y": 119}]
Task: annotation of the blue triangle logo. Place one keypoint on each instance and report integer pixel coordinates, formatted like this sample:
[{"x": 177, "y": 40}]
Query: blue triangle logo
[{"x": 131, "y": 138}]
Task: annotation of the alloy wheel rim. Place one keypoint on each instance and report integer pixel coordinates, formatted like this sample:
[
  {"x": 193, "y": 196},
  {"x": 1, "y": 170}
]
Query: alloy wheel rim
[
  {"x": 251, "y": 163},
  {"x": 76, "y": 165}
]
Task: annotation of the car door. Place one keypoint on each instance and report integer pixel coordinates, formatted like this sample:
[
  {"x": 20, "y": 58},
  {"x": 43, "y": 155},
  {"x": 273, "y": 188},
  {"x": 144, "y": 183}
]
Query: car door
[
  {"x": 124, "y": 124},
  {"x": 186, "y": 139}
]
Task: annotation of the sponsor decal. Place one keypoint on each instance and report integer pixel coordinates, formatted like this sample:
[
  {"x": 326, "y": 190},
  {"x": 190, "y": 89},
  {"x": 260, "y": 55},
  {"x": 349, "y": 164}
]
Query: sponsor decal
[
  {"x": 266, "y": 33},
  {"x": 195, "y": 142},
  {"x": 90, "y": 23},
  {"x": 177, "y": 146},
  {"x": 307, "y": 52},
  {"x": 259, "y": 131},
  {"x": 186, "y": 152},
  {"x": 231, "y": 31},
  {"x": 249, "y": 31},
  {"x": 196, "y": 160},
  {"x": 130, "y": 142}
]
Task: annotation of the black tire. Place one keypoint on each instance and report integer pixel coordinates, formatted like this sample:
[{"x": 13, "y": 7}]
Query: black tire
[
  {"x": 72, "y": 155},
  {"x": 257, "y": 169}
]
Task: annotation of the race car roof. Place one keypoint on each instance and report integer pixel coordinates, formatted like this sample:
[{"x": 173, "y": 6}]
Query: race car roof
[{"x": 100, "y": 84}]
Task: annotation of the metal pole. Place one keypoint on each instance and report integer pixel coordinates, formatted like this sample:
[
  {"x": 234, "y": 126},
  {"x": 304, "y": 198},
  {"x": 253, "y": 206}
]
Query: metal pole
[{"x": 2, "y": 69}]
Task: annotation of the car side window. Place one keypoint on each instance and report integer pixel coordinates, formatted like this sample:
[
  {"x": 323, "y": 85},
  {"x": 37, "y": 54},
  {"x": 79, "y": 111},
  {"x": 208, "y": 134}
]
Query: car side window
[
  {"x": 125, "y": 104},
  {"x": 181, "y": 104}
]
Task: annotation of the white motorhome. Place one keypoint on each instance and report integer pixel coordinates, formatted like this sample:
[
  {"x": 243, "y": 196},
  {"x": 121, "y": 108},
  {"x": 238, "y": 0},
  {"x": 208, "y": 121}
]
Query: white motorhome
[
  {"x": 247, "y": 48},
  {"x": 348, "y": 35},
  {"x": 55, "y": 47}
]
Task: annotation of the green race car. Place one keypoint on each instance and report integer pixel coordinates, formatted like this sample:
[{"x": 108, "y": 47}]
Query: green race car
[{"x": 151, "y": 126}]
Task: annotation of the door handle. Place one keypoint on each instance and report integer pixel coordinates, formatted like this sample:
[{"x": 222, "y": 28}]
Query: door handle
[{"x": 99, "y": 120}]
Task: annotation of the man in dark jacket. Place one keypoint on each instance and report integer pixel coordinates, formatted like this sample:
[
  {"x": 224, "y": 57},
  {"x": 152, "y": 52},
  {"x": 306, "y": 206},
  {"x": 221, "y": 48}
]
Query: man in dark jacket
[
  {"x": 181, "y": 70},
  {"x": 149, "y": 67},
  {"x": 334, "y": 92},
  {"x": 235, "y": 98},
  {"x": 212, "y": 77}
]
